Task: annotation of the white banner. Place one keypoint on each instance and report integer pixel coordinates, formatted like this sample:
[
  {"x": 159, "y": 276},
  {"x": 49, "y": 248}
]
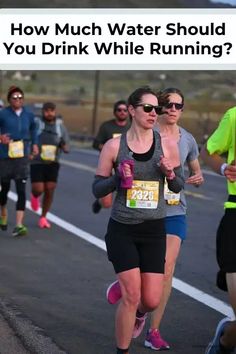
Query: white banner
[{"x": 117, "y": 39}]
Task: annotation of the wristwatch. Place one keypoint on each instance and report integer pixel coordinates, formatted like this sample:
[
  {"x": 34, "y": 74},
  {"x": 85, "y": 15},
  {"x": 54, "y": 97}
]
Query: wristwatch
[{"x": 222, "y": 168}]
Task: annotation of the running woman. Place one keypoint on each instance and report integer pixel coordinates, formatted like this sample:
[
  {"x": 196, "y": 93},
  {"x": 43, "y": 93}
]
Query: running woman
[{"x": 136, "y": 237}]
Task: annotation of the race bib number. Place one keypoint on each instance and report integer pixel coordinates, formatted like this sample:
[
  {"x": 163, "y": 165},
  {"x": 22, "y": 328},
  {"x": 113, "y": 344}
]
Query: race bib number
[
  {"x": 115, "y": 135},
  {"x": 170, "y": 197},
  {"x": 143, "y": 195},
  {"x": 48, "y": 152},
  {"x": 16, "y": 149}
]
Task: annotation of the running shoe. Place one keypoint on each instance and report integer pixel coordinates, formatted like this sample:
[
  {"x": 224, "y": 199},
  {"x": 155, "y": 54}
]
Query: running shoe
[
  {"x": 138, "y": 326},
  {"x": 96, "y": 206},
  {"x": 43, "y": 223},
  {"x": 155, "y": 341},
  {"x": 113, "y": 293},
  {"x": 19, "y": 230},
  {"x": 3, "y": 223},
  {"x": 34, "y": 202},
  {"x": 214, "y": 346}
]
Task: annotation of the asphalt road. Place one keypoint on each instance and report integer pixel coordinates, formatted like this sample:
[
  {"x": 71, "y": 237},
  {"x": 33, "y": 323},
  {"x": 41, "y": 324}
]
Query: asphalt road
[{"x": 57, "y": 279}]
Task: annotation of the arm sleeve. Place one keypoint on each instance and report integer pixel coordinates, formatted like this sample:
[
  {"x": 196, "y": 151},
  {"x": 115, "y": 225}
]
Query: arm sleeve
[
  {"x": 177, "y": 183},
  {"x": 104, "y": 185}
]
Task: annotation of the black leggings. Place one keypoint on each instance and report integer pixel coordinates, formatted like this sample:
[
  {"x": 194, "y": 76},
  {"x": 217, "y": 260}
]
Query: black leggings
[{"x": 20, "y": 191}]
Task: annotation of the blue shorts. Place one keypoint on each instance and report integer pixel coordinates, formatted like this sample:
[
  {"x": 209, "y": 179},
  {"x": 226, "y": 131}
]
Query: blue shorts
[{"x": 176, "y": 225}]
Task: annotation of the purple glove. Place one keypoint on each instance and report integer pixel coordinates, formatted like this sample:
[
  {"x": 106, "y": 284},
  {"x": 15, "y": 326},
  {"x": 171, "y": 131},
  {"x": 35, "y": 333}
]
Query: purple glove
[{"x": 126, "y": 182}]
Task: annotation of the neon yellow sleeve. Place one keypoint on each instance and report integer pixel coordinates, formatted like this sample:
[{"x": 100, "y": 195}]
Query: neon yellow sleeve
[{"x": 219, "y": 142}]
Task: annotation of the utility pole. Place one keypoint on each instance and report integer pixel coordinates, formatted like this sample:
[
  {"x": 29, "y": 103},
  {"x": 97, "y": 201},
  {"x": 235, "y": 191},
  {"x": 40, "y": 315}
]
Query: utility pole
[{"x": 95, "y": 101}]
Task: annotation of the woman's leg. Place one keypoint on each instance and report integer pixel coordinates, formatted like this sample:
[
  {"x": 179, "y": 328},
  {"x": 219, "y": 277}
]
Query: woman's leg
[
  {"x": 139, "y": 292},
  {"x": 151, "y": 291},
  {"x": 173, "y": 244},
  {"x": 130, "y": 283}
]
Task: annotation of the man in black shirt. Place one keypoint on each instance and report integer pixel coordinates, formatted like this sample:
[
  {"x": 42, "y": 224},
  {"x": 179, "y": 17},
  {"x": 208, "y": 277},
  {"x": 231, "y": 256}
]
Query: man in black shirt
[{"x": 110, "y": 129}]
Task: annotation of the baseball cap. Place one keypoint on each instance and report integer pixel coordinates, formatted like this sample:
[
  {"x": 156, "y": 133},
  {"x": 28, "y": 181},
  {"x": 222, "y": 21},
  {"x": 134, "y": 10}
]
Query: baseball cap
[{"x": 48, "y": 105}]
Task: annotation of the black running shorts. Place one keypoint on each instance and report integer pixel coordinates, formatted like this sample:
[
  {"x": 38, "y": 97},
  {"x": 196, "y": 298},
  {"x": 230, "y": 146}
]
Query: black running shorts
[
  {"x": 44, "y": 172},
  {"x": 14, "y": 168},
  {"x": 226, "y": 242},
  {"x": 140, "y": 245}
]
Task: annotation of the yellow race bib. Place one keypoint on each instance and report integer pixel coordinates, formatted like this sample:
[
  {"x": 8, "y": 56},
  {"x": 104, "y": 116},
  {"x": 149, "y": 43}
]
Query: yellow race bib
[
  {"x": 16, "y": 149},
  {"x": 115, "y": 135},
  {"x": 48, "y": 152},
  {"x": 143, "y": 195}
]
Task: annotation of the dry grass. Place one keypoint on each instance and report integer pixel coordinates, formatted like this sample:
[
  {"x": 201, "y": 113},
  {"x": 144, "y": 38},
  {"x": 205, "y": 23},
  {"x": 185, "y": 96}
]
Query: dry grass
[{"x": 199, "y": 118}]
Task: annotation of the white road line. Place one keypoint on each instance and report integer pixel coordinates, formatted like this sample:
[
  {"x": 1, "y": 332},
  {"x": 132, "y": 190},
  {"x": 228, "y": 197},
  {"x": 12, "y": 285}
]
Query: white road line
[
  {"x": 197, "y": 195},
  {"x": 78, "y": 165},
  {"x": 204, "y": 298},
  {"x": 178, "y": 284}
]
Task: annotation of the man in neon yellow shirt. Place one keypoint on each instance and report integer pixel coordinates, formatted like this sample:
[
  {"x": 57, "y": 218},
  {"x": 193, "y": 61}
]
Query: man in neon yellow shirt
[{"x": 223, "y": 140}]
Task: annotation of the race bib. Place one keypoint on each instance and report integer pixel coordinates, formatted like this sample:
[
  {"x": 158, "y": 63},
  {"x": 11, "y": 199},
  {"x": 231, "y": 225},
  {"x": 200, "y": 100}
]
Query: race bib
[
  {"x": 170, "y": 197},
  {"x": 143, "y": 195},
  {"x": 16, "y": 149},
  {"x": 115, "y": 135},
  {"x": 48, "y": 152}
]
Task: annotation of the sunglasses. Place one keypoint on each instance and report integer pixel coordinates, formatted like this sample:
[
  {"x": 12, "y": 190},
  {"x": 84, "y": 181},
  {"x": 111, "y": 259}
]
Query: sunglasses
[
  {"x": 149, "y": 107},
  {"x": 17, "y": 97},
  {"x": 178, "y": 106},
  {"x": 122, "y": 110}
]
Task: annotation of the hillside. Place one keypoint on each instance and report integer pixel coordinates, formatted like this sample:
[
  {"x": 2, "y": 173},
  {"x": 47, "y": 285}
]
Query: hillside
[{"x": 208, "y": 94}]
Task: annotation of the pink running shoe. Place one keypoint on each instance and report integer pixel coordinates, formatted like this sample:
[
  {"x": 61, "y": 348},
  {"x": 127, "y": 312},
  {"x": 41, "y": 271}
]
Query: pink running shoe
[
  {"x": 35, "y": 203},
  {"x": 113, "y": 293},
  {"x": 43, "y": 223},
  {"x": 155, "y": 341},
  {"x": 138, "y": 326}
]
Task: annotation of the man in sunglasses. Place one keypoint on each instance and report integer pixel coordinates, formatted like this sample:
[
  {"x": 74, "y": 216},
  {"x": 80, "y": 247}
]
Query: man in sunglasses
[
  {"x": 18, "y": 141},
  {"x": 108, "y": 130}
]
